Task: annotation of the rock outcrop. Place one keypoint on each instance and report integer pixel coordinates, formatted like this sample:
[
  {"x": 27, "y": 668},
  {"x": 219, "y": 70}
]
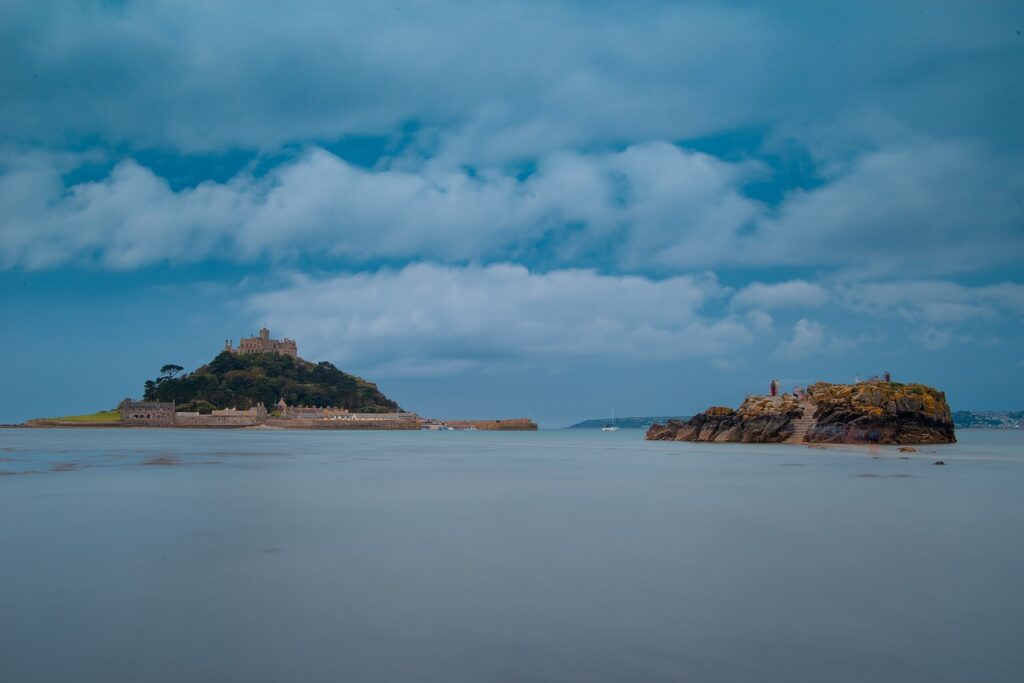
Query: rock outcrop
[
  {"x": 880, "y": 412},
  {"x": 873, "y": 412},
  {"x": 761, "y": 419}
]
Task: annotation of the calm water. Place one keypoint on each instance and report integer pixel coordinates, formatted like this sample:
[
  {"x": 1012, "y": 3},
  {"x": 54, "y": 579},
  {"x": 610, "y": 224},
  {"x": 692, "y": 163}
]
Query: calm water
[{"x": 553, "y": 556}]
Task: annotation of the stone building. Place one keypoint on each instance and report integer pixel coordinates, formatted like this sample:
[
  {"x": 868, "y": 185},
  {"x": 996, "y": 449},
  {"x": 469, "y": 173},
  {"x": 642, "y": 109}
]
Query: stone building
[
  {"x": 262, "y": 343},
  {"x": 229, "y": 417},
  {"x": 258, "y": 413},
  {"x": 341, "y": 415},
  {"x": 150, "y": 413},
  {"x": 311, "y": 412}
]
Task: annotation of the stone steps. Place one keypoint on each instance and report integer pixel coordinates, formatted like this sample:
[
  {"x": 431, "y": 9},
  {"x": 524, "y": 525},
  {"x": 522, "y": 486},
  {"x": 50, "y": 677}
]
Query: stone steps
[{"x": 802, "y": 425}]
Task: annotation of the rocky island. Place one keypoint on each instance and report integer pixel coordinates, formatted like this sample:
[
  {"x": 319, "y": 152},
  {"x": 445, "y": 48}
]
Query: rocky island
[
  {"x": 263, "y": 383},
  {"x": 872, "y": 412}
]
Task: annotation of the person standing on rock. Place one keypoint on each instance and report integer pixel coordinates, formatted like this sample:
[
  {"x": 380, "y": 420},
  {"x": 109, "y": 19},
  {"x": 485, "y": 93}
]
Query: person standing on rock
[{"x": 774, "y": 387}]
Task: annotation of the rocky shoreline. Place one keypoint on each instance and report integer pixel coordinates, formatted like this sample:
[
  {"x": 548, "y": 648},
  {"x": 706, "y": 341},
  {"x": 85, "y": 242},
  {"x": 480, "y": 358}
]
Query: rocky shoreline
[{"x": 873, "y": 412}]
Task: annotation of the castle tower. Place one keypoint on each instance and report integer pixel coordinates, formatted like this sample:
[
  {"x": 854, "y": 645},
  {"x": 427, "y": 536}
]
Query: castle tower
[{"x": 264, "y": 334}]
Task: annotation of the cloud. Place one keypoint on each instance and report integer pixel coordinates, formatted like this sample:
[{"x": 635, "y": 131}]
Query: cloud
[
  {"x": 648, "y": 206},
  {"x": 808, "y": 339},
  {"x": 928, "y": 208},
  {"x": 428, "y": 319},
  {"x": 490, "y": 81},
  {"x": 760, "y": 321},
  {"x": 933, "y": 301},
  {"x": 791, "y": 294}
]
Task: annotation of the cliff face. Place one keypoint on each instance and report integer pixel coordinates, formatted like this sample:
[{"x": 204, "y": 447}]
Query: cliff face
[{"x": 862, "y": 413}]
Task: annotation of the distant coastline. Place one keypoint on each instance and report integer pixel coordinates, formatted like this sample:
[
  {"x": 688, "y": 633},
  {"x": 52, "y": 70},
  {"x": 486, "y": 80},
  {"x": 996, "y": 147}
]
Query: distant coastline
[
  {"x": 625, "y": 422},
  {"x": 989, "y": 419}
]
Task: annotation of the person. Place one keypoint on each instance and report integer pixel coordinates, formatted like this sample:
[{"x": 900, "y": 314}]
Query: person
[
  {"x": 888, "y": 377},
  {"x": 774, "y": 387}
]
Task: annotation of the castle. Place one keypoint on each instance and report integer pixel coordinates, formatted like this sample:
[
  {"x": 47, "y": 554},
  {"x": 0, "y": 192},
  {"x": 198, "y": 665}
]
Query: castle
[{"x": 264, "y": 344}]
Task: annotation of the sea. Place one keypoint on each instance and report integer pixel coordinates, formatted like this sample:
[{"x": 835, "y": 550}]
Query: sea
[{"x": 558, "y": 555}]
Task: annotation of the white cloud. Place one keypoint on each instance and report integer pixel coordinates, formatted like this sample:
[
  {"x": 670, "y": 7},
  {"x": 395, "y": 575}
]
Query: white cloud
[
  {"x": 808, "y": 339},
  {"x": 791, "y": 294},
  {"x": 934, "y": 301},
  {"x": 760, "y": 321},
  {"x": 440, "y": 320},
  {"x": 925, "y": 208},
  {"x": 652, "y": 205}
]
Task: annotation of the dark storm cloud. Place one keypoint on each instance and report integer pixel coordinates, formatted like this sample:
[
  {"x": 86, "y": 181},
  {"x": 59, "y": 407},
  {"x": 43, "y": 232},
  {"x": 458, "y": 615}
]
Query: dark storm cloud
[{"x": 503, "y": 79}]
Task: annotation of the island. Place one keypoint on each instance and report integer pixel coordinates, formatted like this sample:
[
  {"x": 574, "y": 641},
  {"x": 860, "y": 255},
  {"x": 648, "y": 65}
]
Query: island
[
  {"x": 263, "y": 383},
  {"x": 870, "y": 412}
]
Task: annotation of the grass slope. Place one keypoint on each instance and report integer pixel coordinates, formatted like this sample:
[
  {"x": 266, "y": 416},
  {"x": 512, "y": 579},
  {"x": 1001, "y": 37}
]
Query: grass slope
[{"x": 101, "y": 416}]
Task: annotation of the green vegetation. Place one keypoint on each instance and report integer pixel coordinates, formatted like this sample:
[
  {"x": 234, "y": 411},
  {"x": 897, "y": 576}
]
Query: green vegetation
[
  {"x": 102, "y": 416},
  {"x": 233, "y": 380},
  {"x": 196, "y": 406}
]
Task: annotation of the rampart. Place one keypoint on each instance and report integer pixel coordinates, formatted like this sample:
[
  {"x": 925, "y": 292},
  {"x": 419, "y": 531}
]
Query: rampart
[{"x": 513, "y": 424}]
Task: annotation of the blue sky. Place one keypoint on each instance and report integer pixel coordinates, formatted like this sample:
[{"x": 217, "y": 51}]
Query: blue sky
[{"x": 514, "y": 208}]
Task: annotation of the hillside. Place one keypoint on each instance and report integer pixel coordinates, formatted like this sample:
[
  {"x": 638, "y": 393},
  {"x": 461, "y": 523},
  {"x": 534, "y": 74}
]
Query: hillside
[{"x": 233, "y": 380}]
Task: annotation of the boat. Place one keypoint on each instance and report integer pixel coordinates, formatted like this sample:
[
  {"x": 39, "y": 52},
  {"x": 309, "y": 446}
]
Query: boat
[{"x": 611, "y": 426}]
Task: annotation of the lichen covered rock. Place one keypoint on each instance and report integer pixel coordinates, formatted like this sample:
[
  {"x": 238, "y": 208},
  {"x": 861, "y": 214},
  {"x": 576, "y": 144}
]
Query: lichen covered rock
[
  {"x": 872, "y": 412},
  {"x": 761, "y": 419},
  {"x": 880, "y": 412}
]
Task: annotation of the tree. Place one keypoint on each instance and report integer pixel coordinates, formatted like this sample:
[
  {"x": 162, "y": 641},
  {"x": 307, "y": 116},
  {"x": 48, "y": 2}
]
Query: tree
[{"x": 169, "y": 371}]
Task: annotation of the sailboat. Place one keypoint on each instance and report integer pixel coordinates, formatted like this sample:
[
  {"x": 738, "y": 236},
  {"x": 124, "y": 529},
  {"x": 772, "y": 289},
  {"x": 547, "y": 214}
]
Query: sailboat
[{"x": 611, "y": 426}]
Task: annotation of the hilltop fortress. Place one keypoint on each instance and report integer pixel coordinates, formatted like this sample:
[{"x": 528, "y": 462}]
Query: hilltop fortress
[{"x": 262, "y": 343}]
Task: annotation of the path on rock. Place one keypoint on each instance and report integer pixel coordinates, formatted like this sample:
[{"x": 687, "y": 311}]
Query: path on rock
[{"x": 802, "y": 424}]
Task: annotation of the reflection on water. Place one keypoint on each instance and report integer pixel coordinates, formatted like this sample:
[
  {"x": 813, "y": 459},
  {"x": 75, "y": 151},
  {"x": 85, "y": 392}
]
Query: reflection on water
[{"x": 172, "y": 555}]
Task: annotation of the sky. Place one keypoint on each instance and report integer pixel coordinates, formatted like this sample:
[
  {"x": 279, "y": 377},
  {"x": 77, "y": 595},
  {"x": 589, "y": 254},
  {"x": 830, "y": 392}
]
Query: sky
[{"x": 504, "y": 209}]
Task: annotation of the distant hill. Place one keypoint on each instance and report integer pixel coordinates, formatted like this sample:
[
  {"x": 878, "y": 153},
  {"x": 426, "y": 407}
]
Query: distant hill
[
  {"x": 233, "y": 380},
  {"x": 624, "y": 422},
  {"x": 989, "y": 419}
]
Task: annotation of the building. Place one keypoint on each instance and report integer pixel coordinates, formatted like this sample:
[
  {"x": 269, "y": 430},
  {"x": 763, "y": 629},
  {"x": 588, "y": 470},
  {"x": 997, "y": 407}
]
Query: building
[
  {"x": 341, "y": 415},
  {"x": 262, "y": 343},
  {"x": 148, "y": 413},
  {"x": 228, "y": 417},
  {"x": 310, "y": 412}
]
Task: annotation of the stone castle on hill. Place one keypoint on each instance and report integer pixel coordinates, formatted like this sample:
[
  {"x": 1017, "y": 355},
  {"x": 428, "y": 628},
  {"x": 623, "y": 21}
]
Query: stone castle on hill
[
  {"x": 262, "y": 343},
  {"x": 132, "y": 413}
]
